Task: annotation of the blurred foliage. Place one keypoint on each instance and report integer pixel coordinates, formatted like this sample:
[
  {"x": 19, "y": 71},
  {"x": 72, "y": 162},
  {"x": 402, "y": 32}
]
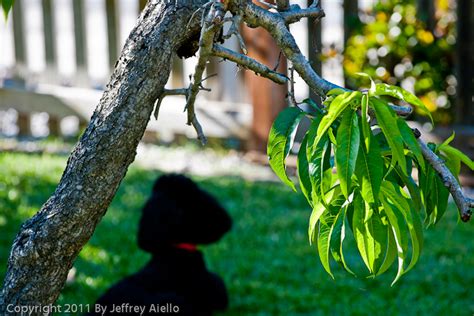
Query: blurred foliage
[
  {"x": 265, "y": 260},
  {"x": 393, "y": 45}
]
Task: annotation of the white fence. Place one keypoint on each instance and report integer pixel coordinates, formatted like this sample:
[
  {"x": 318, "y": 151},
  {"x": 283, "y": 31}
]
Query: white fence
[{"x": 65, "y": 49}]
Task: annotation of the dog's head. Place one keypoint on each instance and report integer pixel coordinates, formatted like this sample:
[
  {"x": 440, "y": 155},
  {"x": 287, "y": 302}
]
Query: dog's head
[{"x": 178, "y": 211}]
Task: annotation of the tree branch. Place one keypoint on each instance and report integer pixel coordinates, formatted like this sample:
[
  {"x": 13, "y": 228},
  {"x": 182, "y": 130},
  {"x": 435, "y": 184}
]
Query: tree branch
[
  {"x": 295, "y": 13},
  {"x": 166, "y": 93},
  {"x": 211, "y": 26},
  {"x": 249, "y": 63},
  {"x": 463, "y": 203},
  {"x": 275, "y": 24}
]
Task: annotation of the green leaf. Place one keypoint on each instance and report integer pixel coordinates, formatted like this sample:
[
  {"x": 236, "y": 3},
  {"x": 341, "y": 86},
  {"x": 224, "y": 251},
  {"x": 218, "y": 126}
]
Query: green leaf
[
  {"x": 314, "y": 105},
  {"x": 319, "y": 155},
  {"x": 387, "y": 121},
  {"x": 453, "y": 152},
  {"x": 448, "y": 140},
  {"x": 369, "y": 172},
  {"x": 7, "y": 5},
  {"x": 430, "y": 198},
  {"x": 371, "y": 235},
  {"x": 303, "y": 172},
  {"x": 414, "y": 190},
  {"x": 435, "y": 195},
  {"x": 339, "y": 234},
  {"x": 324, "y": 239},
  {"x": 376, "y": 240},
  {"x": 402, "y": 94},
  {"x": 348, "y": 141},
  {"x": 442, "y": 194},
  {"x": 390, "y": 254},
  {"x": 331, "y": 136},
  {"x": 396, "y": 196},
  {"x": 364, "y": 120},
  {"x": 359, "y": 229},
  {"x": 372, "y": 83},
  {"x": 336, "y": 91},
  {"x": 410, "y": 141},
  {"x": 453, "y": 163},
  {"x": 281, "y": 140},
  {"x": 318, "y": 210},
  {"x": 415, "y": 228},
  {"x": 326, "y": 228},
  {"x": 400, "y": 232},
  {"x": 337, "y": 106}
]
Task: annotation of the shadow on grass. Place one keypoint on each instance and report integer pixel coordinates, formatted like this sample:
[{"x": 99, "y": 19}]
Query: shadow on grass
[{"x": 265, "y": 260}]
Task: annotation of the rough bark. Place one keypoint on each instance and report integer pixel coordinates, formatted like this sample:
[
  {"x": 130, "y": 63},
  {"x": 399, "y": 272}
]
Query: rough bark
[{"x": 47, "y": 245}]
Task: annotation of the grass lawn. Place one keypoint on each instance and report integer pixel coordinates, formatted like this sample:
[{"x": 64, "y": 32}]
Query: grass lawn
[{"x": 266, "y": 260}]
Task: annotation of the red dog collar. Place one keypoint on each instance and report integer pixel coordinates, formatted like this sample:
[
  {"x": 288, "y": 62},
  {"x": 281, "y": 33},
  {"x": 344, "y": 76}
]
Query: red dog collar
[{"x": 185, "y": 246}]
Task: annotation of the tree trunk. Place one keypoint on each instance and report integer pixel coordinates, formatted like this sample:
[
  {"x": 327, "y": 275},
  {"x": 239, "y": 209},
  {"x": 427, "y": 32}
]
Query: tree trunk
[{"x": 47, "y": 244}]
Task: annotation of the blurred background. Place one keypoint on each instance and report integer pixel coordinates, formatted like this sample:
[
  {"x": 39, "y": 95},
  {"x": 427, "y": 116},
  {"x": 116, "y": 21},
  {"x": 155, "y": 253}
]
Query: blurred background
[{"x": 56, "y": 57}]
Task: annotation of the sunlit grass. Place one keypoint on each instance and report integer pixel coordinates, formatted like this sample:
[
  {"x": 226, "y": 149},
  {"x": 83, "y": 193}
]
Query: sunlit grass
[{"x": 265, "y": 260}]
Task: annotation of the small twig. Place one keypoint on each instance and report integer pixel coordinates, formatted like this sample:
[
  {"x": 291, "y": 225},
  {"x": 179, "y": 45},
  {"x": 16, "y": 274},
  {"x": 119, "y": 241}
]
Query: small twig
[
  {"x": 291, "y": 93},
  {"x": 275, "y": 24},
  {"x": 208, "y": 77},
  {"x": 211, "y": 25},
  {"x": 463, "y": 203},
  {"x": 194, "y": 121},
  {"x": 165, "y": 93},
  {"x": 200, "y": 134},
  {"x": 296, "y": 13},
  {"x": 249, "y": 63},
  {"x": 278, "y": 61},
  {"x": 234, "y": 29},
  {"x": 195, "y": 12}
]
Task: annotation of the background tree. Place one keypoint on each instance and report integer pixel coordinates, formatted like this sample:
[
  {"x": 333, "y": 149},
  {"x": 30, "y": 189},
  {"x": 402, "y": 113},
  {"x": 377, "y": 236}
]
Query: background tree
[{"x": 400, "y": 43}]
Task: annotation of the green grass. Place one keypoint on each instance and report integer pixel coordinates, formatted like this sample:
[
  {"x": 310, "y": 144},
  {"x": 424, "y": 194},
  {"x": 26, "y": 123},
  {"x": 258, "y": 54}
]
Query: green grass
[{"x": 266, "y": 261}]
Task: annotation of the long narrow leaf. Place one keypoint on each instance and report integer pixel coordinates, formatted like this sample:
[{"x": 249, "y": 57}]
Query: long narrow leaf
[
  {"x": 338, "y": 105},
  {"x": 390, "y": 254},
  {"x": 359, "y": 229},
  {"x": 348, "y": 141},
  {"x": 364, "y": 120},
  {"x": 402, "y": 94},
  {"x": 400, "y": 232},
  {"x": 369, "y": 172},
  {"x": 281, "y": 140},
  {"x": 387, "y": 121},
  {"x": 410, "y": 141},
  {"x": 451, "y": 151},
  {"x": 397, "y": 198},
  {"x": 339, "y": 234},
  {"x": 303, "y": 172},
  {"x": 326, "y": 228},
  {"x": 318, "y": 210}
]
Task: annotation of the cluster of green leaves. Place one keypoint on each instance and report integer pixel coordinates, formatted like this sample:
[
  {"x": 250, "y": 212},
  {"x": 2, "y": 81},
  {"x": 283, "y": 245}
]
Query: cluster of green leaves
[
  {"x": 356, "y": 172},
  {"x": 394, "y": 44},
  {"x": 6, "y": 6}
]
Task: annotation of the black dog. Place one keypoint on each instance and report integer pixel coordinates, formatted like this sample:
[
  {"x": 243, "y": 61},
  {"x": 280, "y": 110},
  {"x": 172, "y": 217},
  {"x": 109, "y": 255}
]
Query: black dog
[{"x": 177, "y": 217}]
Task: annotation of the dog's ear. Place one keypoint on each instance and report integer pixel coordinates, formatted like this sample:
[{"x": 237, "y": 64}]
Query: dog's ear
[{"x": 206, "y": 219}]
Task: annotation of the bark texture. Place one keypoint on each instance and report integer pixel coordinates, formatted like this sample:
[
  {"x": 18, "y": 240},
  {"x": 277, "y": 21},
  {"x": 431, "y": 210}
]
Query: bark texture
[{"x": 47, "y": 245}]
